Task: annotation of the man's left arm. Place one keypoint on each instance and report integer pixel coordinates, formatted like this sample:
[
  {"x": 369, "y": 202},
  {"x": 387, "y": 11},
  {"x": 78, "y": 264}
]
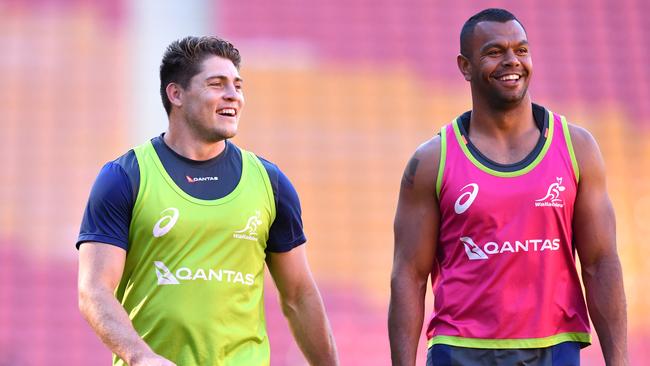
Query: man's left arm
[
  {"x": 302, "y": 305},
  {"x": 594, "y": 228}
]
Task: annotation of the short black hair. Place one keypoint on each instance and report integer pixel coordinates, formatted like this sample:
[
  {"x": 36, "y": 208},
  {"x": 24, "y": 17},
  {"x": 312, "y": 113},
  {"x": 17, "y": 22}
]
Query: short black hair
[
  {"x": 182, "y": 60},
  {"x": 487, "y": 15}
]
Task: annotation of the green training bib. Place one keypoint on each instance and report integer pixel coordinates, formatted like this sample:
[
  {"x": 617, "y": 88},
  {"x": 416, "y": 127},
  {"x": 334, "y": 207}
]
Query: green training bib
[{"x": 194, "y": 273}]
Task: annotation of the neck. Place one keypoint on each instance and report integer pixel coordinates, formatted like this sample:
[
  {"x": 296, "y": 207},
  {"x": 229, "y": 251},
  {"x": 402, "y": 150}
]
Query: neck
[
  {"x": 505, "y": 123},
  {"x": 185, "y": 143}
]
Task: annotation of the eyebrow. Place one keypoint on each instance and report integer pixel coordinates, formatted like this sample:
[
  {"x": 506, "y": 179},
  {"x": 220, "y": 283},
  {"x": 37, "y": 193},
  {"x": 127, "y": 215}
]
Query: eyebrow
[
  {"x": 223, "y": 77},
  {"x": 498, "y": 45}
]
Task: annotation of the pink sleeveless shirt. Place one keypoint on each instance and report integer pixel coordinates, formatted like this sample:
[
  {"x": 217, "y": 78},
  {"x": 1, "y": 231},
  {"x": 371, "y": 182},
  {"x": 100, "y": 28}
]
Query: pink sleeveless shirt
[{"x": 505, "y": 274}]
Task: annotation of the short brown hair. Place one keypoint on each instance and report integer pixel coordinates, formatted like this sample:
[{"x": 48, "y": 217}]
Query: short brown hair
[{"x": 182, "y": 60}]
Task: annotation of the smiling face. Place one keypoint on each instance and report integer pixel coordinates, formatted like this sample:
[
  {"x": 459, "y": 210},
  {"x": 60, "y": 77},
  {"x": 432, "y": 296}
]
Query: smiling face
[
  {"x": 499, "y": 66},
  {"x": 212, "y": 102}
]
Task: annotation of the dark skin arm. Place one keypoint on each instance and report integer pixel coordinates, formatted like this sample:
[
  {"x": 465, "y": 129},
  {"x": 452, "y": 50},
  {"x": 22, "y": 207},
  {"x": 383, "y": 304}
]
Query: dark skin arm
[
  {"x": 417, "y": 221},
  {"x": 594, "y": 227}
]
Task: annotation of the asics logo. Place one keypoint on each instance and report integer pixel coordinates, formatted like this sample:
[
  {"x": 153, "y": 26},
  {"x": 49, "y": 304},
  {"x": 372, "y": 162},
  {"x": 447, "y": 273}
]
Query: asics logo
[
  {"x": 469, "y": 198},
  {"x": 166, "y": 222},
  {"x": 473, "y": 251}
]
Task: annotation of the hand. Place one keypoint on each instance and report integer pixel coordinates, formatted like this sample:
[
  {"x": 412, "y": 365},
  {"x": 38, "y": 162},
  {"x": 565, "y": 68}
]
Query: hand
[{"x": 152, "y": 360}]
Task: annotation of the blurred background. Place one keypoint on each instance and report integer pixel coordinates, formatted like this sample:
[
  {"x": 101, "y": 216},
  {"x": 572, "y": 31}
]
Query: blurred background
[{"x": 339, "y": 94}]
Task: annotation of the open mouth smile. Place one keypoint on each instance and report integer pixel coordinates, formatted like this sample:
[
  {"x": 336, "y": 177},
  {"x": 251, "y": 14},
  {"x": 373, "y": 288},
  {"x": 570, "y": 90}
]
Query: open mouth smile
[
  {"x": 508, "y": 77},
  {"x": 227, "y": 112}
]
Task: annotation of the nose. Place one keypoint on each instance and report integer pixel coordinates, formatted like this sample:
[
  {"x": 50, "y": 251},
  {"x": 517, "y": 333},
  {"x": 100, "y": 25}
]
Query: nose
[
  {"x": 231, "y": 93},
  {"x": 510, "y": 58}
]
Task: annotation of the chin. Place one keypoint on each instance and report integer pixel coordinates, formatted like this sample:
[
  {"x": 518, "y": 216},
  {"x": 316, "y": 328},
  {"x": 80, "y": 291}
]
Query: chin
[
  {"x": 504, "y": 102},
  {"x": 512, "y": 99},
  {"x": 225, "y": 131},
  {"x": 228, "y": 134},
  {"x": 216, "y": 136}
]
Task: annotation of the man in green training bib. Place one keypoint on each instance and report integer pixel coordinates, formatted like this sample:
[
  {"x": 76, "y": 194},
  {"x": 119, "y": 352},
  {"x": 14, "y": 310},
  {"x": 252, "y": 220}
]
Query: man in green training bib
[{"x": 176, "y": 233}]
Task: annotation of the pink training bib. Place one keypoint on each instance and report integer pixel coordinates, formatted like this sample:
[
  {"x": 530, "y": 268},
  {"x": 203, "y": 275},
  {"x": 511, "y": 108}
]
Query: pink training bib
[{"x": 505, "y": 274}]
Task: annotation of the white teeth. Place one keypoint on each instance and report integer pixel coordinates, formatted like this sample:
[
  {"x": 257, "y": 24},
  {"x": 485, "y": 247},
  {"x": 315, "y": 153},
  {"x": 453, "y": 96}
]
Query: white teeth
[
  {"x": 227, "y": 111},
  {"x": 509, "y": 77}
]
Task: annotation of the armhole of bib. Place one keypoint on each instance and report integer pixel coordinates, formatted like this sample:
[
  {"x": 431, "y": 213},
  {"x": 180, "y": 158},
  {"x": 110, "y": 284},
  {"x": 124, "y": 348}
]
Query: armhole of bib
[
  {"x": 443, "y": 158},
  {"x": 569, "y": 145}
]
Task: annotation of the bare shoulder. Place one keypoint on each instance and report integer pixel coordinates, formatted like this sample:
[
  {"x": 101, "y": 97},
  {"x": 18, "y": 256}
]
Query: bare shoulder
[
  {"x": 429, "y": 153},
  {"x": 422, "y": 168},
  {"x": 582, "y": 139},
  {"x": 431, "y": 146},
  {"x": 586, "y": 149}
]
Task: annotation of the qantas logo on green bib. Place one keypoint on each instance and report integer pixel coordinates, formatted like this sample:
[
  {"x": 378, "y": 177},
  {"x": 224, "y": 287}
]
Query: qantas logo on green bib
[
  {"x": 166, "y": 222},
  {"x": 167, "y": 277}
]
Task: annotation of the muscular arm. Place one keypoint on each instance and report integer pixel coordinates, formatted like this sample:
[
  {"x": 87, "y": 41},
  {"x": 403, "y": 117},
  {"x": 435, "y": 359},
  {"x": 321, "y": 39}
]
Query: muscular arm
[
  {"x": 100, "y": 270},
  {"x": 416, "y": 235},
  {"x": 302, "y": 305},
  {"x": 594, "y": 228}
]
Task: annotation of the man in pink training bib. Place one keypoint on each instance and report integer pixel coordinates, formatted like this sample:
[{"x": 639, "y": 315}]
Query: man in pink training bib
[{"x": 496, "y": 208}]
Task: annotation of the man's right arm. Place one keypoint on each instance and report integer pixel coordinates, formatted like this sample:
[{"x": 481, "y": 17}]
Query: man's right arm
[
  {"x": 103, "y": 244},
  {"x": 100, "y": 270},
  {"x": 416, "y": 234}
]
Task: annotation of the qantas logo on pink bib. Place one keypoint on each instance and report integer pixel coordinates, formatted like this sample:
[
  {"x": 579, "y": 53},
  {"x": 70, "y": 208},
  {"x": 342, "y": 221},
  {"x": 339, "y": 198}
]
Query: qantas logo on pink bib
[
  {"x": 552, "y": 198},
  {"x": 473, "y": 251},
  {"x": 476, "y": 252}
]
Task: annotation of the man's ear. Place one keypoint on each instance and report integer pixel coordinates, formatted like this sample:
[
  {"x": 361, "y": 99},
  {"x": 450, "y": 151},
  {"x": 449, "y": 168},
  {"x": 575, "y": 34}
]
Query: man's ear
[
  {"x": 464, "y": 66},
  {"x": 174, "y": 94}
]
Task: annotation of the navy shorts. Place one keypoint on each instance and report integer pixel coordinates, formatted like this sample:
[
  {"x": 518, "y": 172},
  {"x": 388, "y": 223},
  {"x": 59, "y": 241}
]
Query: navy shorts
[{"x": 563, "y": 354}]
